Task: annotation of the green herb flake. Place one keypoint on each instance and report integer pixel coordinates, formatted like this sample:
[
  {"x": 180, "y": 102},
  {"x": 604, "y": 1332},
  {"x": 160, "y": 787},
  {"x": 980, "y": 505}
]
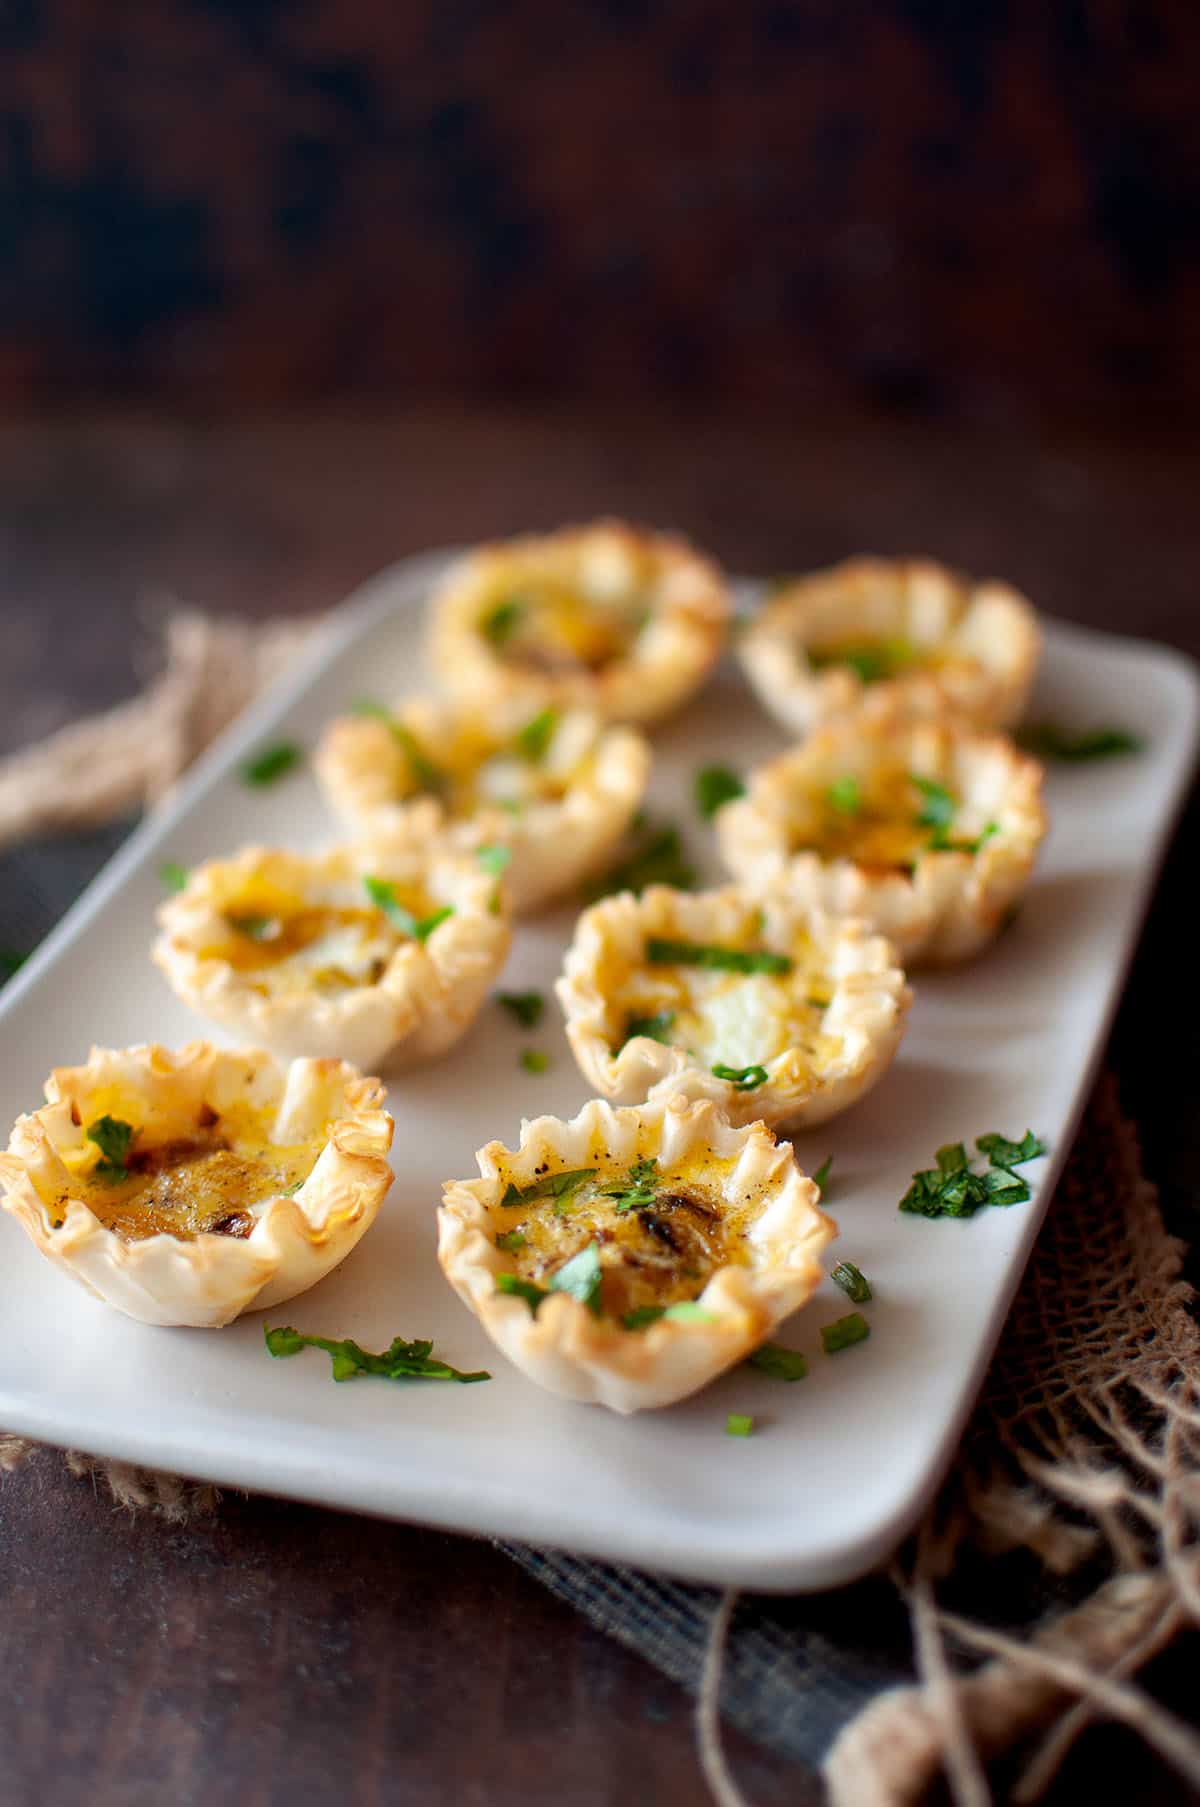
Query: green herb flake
[
  {"x": 954, "y": 1189},
  {"x": 526, "y": 1006},
  {"x": 1003, "y": 1153},
  {"x": 685, "y": 1311},
  {"x": 739, "y": 1424},
  {"x": 820, "y": 1178},
  {"x": 661, "y": 951},
  {"x": 742, "y": 1079},
  {"x": 1047, "y": 741},
  {"x": 502, "y": 621},
  {"x": 255, "y": 928},
  {"x": 843, "y": 1333},
  {"x": 716, "y": 785},
  {"x": 114, "y": 1139},
  {"x": 494, "y": 858},
  {"x": 656, "y": 1028},
  {"x": 272, "y": 763},
  {"x": 938, "y": 807},
  {"x": 172, "y": 876},
  {"x": 845, "y": 795},
  {"x": 510, "y": 1241},
  {"x": 853, "y": 1282},
  {"x": 658, "y": 859},
  {"x": 552, "y": 1185},
  {"x": 529, "y": 1290},
  {"x": 382, "y": 893},
  {"x": 534, "y": 1060},
  {"x": 10, "y": 962},
  {"x": 401, "y": 1360},
  {"x": 642, "y": 1316},
  {"x": 580, "y": 1278},
  {"x": 637, "y": 1191},
  {"x": 534, "y": 739},
  {"x": 778, "y": 1362}
]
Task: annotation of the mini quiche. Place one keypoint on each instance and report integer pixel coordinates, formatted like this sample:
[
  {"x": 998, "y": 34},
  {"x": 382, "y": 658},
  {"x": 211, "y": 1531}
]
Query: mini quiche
[
  {"x": 362, "y": 952},
  {"x": 627, "y": 1257},
  {"x": 557, "y": 787},
  {"x": 896, "y": 633},
  {"x": 787, "y": 1014},
  {"x": 624, "y": 623},
  {"x": 185, "y": 1188},
  {"x": 925, "y": 829}
]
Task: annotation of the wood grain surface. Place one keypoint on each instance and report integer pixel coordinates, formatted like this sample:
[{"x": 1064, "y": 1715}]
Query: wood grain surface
[{"x": 291, "y": 1657}]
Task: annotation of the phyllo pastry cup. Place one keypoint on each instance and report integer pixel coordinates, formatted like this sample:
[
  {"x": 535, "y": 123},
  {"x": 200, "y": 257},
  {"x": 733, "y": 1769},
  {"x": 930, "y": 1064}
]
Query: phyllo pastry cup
[
  {"x": 786, "y": 1013},
  {"x": 627, "y": 1257},
  {"x": 185, "y": 1188},
  {"x": 604, "y": 617},
  {"x": 373, "y": 951},
  {"x": 925, "y": 829},
  {"x": 893, "y": 633},
  {"x": 557, "y": 788}
]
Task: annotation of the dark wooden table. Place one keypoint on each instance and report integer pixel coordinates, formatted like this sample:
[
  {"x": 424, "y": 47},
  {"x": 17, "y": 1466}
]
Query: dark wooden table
[{"x": 289, "y": 1657}]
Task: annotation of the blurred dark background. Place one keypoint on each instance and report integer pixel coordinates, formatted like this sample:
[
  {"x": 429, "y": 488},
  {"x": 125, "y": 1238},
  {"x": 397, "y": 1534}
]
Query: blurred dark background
[{"x": 976, "y": 209}]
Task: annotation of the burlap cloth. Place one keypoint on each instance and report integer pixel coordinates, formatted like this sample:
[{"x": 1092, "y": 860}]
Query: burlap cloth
[{"x": 1080, "y": 1471}]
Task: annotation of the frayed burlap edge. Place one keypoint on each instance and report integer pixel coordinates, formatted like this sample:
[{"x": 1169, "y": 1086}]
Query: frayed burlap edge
[{"x": 1086, "y": 1438}]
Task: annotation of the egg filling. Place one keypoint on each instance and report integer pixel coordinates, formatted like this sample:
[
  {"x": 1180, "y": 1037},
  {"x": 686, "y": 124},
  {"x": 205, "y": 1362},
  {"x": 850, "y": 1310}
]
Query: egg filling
[
  {"x": 283, "y": 944},
  {"x": 884, "y": 821},
  {"x": 630, "y": 1242},
  {"x": 730, "y": 1006},
  {"x": 471, "y": 769},
  {"x": 207, "y": 1183},
  {"x": 553, "y": 627}
]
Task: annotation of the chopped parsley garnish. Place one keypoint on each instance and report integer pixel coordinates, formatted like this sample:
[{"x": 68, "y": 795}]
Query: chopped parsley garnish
[
  {"x": 871, "y": 659},
  {"x": 494, "y": 858},
  {"x": 954, "y": 1189},
  {"x": 579, "y": 1278},
  {"x": 843, "y": 1333},
  {"x": 820, "y": 1178},
  {"x": 272, "y": 763},
  {"x": 552, "y": 1185},
  {"x": 501, "y": 622},
  {"x": 658, "y": 859},
  {"x": 382, "y": 893},
  {"x": 255, "y": 928},
  {"x": 714, "y": 786},
  {"x": 686, "y": 1311},
  {"x": 638, "y": 1189},
  {"x": 400, "y": 1360},
  {"x": 173, "y": 876},
  {"x": 114, "y": 1139},
  {"x": 853, "y": 1282},
  {"x": 845, "y": 795},
  {"x": 778, "y": 1362},
  {"x": 1003, "y": 1153},
  {"x": 1048, "y": 741},
  {"x": 938, "y": 808},
  {"x": 661, "y": 951},
  {"x": 739, "y": 1424},
  {"x": 425, "y": 773},
  {"x": 534, "y": 1060},
  {"x": 536, "y": 735},
  {"x": 10, "y": 962},
  {"x": 510, "y": 1241},
  {"x": 742, "y": 1079},
  {"x": 526, "y": 1006},
  {"x": 657, "y": 1027}
]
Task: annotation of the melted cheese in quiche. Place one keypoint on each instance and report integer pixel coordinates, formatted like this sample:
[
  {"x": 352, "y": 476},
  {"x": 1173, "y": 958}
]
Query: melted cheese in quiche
[
  {"x": 728, "y": 1018},
  {"x": 660, "y": 1236},
  {"x": 284, "y": 943},
  {"x": 880, "y": 821},
  {"x": 208, "y": 1182}
]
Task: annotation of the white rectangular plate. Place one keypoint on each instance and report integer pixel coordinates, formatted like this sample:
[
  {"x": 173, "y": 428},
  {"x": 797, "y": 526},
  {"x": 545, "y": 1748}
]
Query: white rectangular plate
[{"x": 840, "y": 1464}]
